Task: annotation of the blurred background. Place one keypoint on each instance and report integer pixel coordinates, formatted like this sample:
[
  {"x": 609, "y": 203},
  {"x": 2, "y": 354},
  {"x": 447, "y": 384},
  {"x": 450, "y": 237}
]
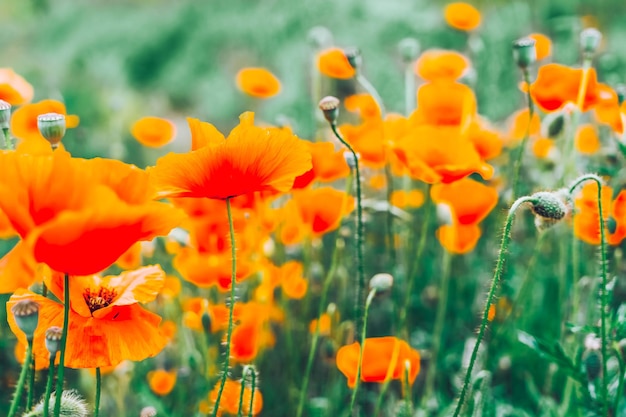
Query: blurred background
[{"x": 113, "y": 62}]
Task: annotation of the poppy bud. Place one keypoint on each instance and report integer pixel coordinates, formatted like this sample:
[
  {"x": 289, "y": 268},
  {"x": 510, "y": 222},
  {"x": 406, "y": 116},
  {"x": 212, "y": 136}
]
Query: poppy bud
[
  {"x": 206, "y": 322},
  {"x": 590, "y": 40},
  {"x": 592, "y": 360},
  {"x": 72, "y": 405},
  {"x": 524, "y": 52},
  {"x": 548, "y": 205},
  {"x": 556, "y": 126},
  {"x": 5, "y": 114},
  {"x": 249, "y": 374},
  {"x": 26, "y": 314},
  {"x": 349, "y": 157},
  {"x": 354, "y": 57},
  {"x": 53, "y": 340},
  {"x": 330, "y": 106},
  {"x": 381, "y": 282},
  {"x": 409, "y": 49},
  {"x": 52, "y": 127}
]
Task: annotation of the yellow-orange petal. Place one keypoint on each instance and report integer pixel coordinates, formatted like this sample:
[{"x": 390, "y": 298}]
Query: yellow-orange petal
[
  {"x": 333, "y": 63},
  {"x": 542, "y": 146},
  {"x": 459, "y": 238},
  {"x": 543, "y": 45},
  {"x": 462, "y": 16},
  {"x": 587, "y": 140},
  {"x": 162, "y": 382},
  {"x": 153, "y": 132},
  {"x": 258, "y": 82},
  {"x": 441, "y": 64},
  {"x": 14, "y": 89}
]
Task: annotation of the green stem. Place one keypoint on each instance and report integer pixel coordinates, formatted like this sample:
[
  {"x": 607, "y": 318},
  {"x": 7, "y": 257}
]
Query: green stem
[
  {"x": 408, "y": 403},
  {"x": 8, "y": 144},
  {"x": 231, "y": 309},
  {"x": 603, "y": 289},
  {"x": 520, "y": 153},
  {"x": 359, "y": 231},
  {"x": 66, "y": 322},
  {"x": 440, "y": 319},
  {"x": 381, "y": 396},
  {"x": 46, "y": 402},
  {"x": 96, "y": 410},
  {"x": 410, "y": 90},
  {"x": 506, "y": 237},
  {"x": 309, "y": 363},
  {"x": 31, "y": 379},
  {"x": 22, "y": 380},
  {"x": 252, "y": 390},
  {"x": 241, "y": 391},
  {"x": 355, "y": 390}
]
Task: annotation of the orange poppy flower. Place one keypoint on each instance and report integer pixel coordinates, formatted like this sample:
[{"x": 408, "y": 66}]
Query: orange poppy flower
[
  {"x": 469, "y": 200},
  {"x": 229, "y": 402},
  {"x": 206, "y": 270},
  {"x": 324, "y": 326},
  {"x": 168, "y": 329},
  {"x": 367, "y": 139},
  {"x": 293, "y": 284},
  {"x": 328, "y": 165},
  {"x": 458, "y": 238},
  {"x": 608, "y": 110},
  {"x": 543, "y": 45},
  {"x": 403, "y": 199},
  {"x": 162, "y": 382},
  {"x": 153, "y": 132},
  {"x": 131, "y": 259},
  {"x": 14, "y": 89},
  {"x": 444, "y": 103},
  {"x": 462, "y": 16},
  {"x": 519, "y": 125},
  {"x": 558, "y": 84},
  {"x": 586, "y": 220},
  {"x": 487, "y": 141},
  {"x": 587, "y": 140},
  {"x": 78, "y": 216},
  {"x": 252, "y": 159},
  {"x": 441, "y": 64},
  {"x": 384, "y": 358},
  {"x": 363, "y": 104},
  {"x": 542, "y": 147},
  {"x": 107, "y": 324},
  {"x": 258, "y": 82},
  {"x": 24, "y": 119},
  {"x": 333, "y": 63},
  {"x": 436, "y": 154}
]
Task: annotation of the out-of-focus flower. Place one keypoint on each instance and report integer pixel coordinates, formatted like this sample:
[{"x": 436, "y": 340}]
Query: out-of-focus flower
[
  {"x": 333, "y": 63},
  {"x": 543, "y": 45},
  {"x": 162, "y": 382},
  {"x": 24, "y": 120},
  {"x": 14, "y": 89},
  {"x": 229, "y": 403},
  {"x": 441, "y": 64},
  {"x": 462, "y": 16},
  {"x": 258, "y": 82},
  {"x": 153, "y": 132}
]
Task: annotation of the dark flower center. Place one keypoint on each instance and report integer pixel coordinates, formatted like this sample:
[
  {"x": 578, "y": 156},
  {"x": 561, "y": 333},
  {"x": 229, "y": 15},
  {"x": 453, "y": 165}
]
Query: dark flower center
[{"x": 99, "y": 299}]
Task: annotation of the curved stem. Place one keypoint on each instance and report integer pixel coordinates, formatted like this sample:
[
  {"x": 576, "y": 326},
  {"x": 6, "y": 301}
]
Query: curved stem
[
  {"x": 231, "y": 309},
  {"x": 603, "y": 289},
  {"x": 409, "y": 89},
  {"x": 66, "y": 322},
  {"x": 309, "y": 363},
  {"x": 96, "y": 410},
  {"x": 506, "y": 237},
  {"x": 359, "y": 231},
  {"x": 22, "y": 381},
  {"x": 355, "y": 390},
  {"x": 46, "y": 401},
  {"x": 520, "y": 154}
]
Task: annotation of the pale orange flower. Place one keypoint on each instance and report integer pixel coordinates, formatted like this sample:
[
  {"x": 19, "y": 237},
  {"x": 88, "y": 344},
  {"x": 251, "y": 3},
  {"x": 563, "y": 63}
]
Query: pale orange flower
[
  {"x": 14, "y": 89},
  {"x": 462, "y": 16},
  {"x": 441, "y": 64},
  {"x": 333, "y": 63},
  {"x": 162, "y": 382},
  {"x": 587, "y": 140},
  {"x": 229, "y": 402},
  {"x": 543, "y": 45},
  {"x": 153, "y": 132},
  {"x": 258, "y": 82}
]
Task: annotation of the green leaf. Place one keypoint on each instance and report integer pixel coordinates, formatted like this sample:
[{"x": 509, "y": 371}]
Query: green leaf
[{"x": 553, "y": 352}]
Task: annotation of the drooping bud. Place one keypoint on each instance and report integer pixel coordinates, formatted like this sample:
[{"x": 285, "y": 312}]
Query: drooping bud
[
  {"x": 524, "y": 52},
  {"x": 549, "y": 208},
  {"x": 590, "y": 40},
  {"x": 53, "y": 340},
  {"x": 72, "y": 405},
  {"x": 26, "y": 314},
  {"x": 354, "y": 57},
  {"x": 330, "y": 106},
  {"x": 5, "y": 114},
  {"x": 381, "y": 282},
  {"x": 52, "y": 127},
  {"x": 409, "y": 49}
]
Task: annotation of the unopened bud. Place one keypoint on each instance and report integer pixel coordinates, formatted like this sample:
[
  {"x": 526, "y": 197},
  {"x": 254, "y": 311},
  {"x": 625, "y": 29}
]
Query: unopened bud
[
  {"x": 592, "y": 360},
  {"x": 206, "y": 322},
  {"x": 72, "y": 405},
  {"x": 354, "y": 57},
  {"x": 590, "y": 40},
  {"x": 556, "y": 126},
  {"x": 381, "y": 282},
  {"x": 548, "y": 205},
  {"x": 409, "y": 49},
  {"x": 5, "y": 114},
  {"x": 330, "y": 106},
  {"x": 524, "y": 52},
  {"x": 149, "y": 411},
  {"x": 52, "y": 127},
  {"x": 250, "y": 374},
  {"x": 26, "y": 314},
  {"x": 53, "y": 340}
]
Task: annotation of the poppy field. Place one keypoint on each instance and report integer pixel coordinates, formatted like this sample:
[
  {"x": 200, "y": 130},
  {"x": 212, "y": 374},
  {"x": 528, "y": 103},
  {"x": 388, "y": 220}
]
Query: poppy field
[{"x": 350, "y": 208}]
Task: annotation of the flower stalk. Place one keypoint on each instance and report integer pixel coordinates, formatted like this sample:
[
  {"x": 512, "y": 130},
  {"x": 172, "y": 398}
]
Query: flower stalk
[{"x": 66, "y": 321}]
